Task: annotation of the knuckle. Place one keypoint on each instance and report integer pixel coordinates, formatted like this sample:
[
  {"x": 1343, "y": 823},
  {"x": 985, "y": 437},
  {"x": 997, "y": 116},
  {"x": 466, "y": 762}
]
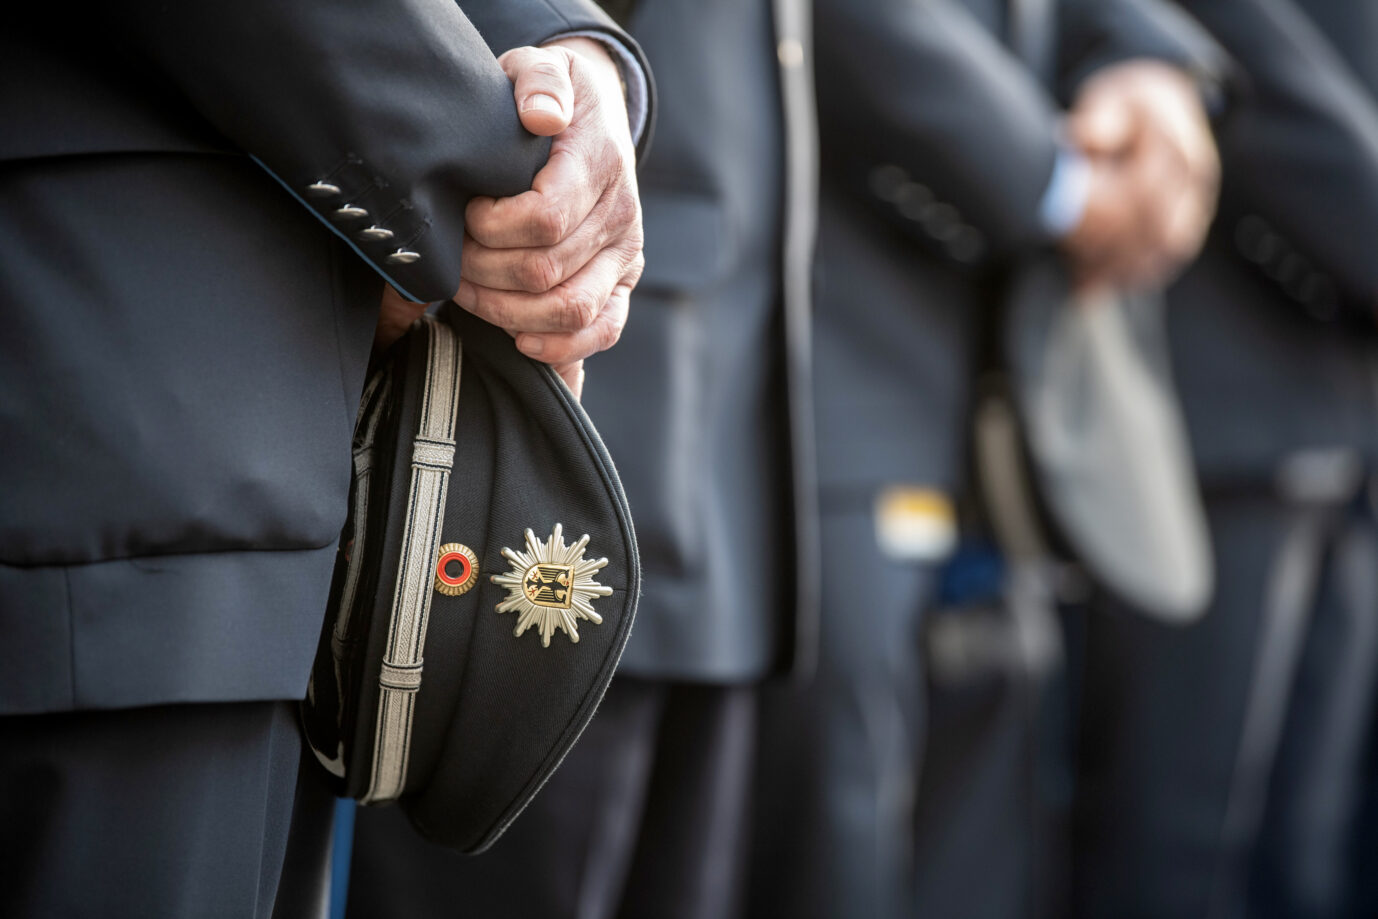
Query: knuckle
[
  {"x": 514, "y": 59},
  {"x": 578, "y": 67},
  {"x": 546, "y": 70},
  {"x": 579, "y": 308},
  {"x": 624, "y": 210},
  {"x": 548, "y": 225},
  {"x": 539, "y": 272},
  {"x": 620, "y": 175}
]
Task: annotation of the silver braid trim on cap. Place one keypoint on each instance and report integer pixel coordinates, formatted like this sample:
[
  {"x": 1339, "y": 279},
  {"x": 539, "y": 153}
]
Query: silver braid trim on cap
[{"x": 432, "y": 459}]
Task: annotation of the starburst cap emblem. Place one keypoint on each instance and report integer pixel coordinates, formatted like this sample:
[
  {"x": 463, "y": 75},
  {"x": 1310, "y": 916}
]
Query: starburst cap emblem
[{"x": 551, "y": 585}]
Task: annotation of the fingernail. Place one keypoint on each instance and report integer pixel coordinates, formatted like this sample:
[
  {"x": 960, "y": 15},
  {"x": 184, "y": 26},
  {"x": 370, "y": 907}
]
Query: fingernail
[
  {"x": 532, "y": 345},
  {"x": 540, "y": 102}
]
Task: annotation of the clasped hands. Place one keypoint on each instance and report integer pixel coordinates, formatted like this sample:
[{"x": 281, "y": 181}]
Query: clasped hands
[
  {"x": 555, "y": 266},
  {"x": 1154, "y": 176}
]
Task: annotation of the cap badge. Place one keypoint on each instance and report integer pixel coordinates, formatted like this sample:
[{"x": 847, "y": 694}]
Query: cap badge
[{"x": 551, "y": 585}]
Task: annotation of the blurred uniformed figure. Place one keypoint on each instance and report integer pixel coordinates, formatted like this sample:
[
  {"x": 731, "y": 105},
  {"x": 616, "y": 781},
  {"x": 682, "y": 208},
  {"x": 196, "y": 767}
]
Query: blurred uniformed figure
[
  {"x": 1222, "y": 765},
  {"x": 946, "y": 162},
  {"x": 1352, "y": 28},
  {"x": 705, "y": 410}
]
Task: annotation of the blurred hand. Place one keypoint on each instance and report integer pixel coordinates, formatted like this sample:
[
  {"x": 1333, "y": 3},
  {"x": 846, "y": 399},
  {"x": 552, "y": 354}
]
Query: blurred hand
[
  {"x": 1155, "y": 175},
  {"x": 555, "y": 266}
]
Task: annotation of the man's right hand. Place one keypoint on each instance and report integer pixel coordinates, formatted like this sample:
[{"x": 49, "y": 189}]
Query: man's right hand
[{"x": 555, "y": 266}]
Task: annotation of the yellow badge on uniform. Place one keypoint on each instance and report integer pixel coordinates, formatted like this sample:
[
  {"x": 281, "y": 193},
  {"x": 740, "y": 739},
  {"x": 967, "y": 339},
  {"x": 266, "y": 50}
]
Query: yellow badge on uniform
[{"x": 915, "y": 524}]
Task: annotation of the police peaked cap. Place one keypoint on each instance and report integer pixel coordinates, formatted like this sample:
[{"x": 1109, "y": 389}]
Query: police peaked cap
[{"x": 484, "y": 590}]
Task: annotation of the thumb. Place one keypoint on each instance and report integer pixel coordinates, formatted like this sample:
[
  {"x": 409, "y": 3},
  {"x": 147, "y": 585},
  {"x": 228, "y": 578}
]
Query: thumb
[{"x": 542, "y": 88}]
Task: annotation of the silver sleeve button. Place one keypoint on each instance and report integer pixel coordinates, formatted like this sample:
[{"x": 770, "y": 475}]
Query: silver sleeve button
[
  {"x": 349, "y": 212},
  {"x": 375, "y": 234},
  {"x": 403, "y": 257}
]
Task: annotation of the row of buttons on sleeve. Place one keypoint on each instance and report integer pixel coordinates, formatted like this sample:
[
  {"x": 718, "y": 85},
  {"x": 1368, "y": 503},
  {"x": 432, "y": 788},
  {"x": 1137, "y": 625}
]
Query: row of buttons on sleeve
[
  {"x": 939, "y": 220},
  {"x": 1273, "y": 254},
  {"x": 349, "y": 213}
]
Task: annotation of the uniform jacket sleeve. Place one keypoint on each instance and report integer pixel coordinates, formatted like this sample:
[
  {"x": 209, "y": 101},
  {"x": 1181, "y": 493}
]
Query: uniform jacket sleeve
[
  {"x": 924, "y": 111},
  {"x": 1300, "y": 154},
  {"x": 383, "y": 117},
  {"x": 1093, "y": 34}
]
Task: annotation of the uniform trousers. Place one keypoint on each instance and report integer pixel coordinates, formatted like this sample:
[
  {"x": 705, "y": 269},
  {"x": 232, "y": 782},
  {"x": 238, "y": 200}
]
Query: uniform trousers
[
  {"x": 838, "y": 766},
  {"x": 172, "y": 811},
  {"x": 644, "y": 819},
  {"x": 986, "y": 820},
  {"x": 1363, "y": 896},
  {"x": 1222, "y": 764}
]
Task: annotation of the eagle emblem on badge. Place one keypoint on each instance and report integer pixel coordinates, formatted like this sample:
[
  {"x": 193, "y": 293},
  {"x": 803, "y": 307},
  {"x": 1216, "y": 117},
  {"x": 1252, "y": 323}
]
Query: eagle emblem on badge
[{"x": 551, "y": 585}]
